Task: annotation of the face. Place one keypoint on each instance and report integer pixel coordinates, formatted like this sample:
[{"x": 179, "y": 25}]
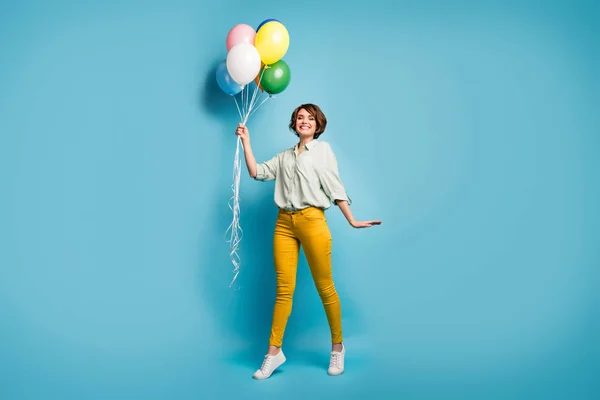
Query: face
[{"x": 305, "y": 124}]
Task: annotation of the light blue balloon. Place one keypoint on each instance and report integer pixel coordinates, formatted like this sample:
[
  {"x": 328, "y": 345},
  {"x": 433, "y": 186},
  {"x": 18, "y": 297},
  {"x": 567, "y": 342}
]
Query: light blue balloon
[{"x": 225, "y": 82}]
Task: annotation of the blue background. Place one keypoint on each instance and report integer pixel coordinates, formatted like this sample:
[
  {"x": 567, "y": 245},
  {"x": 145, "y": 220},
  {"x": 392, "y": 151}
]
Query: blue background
[{"x": 470, "y": 128}]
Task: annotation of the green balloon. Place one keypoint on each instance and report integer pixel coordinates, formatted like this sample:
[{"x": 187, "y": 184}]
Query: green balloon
[{"x": 276, "y": 77}]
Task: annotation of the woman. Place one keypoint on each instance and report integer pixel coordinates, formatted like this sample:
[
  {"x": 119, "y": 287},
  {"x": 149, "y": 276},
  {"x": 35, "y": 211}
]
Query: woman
[{"x": 306, "y": 183}]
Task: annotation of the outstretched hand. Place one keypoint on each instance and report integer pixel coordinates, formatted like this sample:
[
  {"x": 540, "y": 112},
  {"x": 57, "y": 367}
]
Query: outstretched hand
[{"x": 365, "y": 224}]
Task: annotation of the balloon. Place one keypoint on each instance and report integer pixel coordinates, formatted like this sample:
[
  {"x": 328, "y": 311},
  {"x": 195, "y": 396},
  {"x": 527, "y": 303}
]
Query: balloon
[
  {"x": 276, "y": 77},
  {"x": 243, "y": 63},
  {"x": 264, "y": 22},
  {"x": 240, "y": 33},
  {"x": 225, "y": 82},
  {"x": 272, "y": 42},
  {"x": 257, "y": 79}
]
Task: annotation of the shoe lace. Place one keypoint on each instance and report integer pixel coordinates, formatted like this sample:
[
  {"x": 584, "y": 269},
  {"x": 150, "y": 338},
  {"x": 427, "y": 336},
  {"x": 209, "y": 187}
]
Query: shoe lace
[
  {"x": 336, "y": 359},
  {"x": 266, "y": 362}
]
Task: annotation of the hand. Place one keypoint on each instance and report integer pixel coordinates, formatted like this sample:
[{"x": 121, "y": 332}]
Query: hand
[
  {"x": 242, "y": 132},
  {"x": 365, "y": 224}
]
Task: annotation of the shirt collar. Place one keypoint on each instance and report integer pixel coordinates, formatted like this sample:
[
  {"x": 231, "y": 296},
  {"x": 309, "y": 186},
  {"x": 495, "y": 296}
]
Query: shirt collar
[{"x": 307, "y": 146}]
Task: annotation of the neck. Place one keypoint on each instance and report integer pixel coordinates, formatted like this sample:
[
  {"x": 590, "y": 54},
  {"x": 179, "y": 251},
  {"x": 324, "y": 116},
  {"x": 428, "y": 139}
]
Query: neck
[{"x": 304, "y": 140}]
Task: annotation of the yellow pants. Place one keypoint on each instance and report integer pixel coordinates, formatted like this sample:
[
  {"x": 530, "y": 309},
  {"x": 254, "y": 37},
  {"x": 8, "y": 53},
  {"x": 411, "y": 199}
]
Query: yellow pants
[{"x": 307, "y": 228}]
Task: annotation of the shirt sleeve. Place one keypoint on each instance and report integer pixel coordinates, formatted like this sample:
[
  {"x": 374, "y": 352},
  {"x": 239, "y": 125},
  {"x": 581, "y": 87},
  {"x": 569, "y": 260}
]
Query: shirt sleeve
[
  {"x": 267, "y": 170},
  {"x": 330, "y": 178}
]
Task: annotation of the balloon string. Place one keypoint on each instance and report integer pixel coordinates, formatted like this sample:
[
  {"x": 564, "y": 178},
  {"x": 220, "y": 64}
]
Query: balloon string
[
  {"x": 234, "y": 204},
  {"x": 238, "y": 108},
  {"x": 254, "y": 97},
  {"x": 247, "y": 115},
  {"x": 243, "y": 102},
  {"x": 246, "y": 90},
  {"x": 261, "y": 103},
  {"x": 235, "y": 230},
  {"x": 252, "y": 103}
]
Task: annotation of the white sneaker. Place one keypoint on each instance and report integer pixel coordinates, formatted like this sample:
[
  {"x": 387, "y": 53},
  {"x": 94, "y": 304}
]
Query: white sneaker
[
  {"x": 270, "y": 363},
  {"x": 336, "y": 362}
]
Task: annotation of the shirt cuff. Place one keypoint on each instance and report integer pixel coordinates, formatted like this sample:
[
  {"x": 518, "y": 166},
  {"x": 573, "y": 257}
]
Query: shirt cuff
[
  {"x": 260, "y": 173},
  {"x": 341, "y": 196}
]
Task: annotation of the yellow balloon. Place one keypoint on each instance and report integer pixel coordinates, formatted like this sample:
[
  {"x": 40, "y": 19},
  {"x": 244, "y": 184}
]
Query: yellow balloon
[{"x": 272, "y": 42}]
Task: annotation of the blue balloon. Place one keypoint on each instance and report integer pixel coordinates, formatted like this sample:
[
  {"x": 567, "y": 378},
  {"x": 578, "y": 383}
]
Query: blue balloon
[
  {"x": 226, "y": 82},
  {"x": 265, "y": 21}
]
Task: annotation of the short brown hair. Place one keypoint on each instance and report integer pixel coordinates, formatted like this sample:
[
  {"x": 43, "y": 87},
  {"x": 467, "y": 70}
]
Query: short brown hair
[{"x": 316, "y": 112}]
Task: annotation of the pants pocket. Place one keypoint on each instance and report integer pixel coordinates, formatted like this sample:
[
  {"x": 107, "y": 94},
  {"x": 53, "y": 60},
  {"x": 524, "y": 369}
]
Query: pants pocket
[{"x": 314, "y": 215}]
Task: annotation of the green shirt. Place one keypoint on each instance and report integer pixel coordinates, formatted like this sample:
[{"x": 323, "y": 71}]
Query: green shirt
[{"x": 310, "y": 179}]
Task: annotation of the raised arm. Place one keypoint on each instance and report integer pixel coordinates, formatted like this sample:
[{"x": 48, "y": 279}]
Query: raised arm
[
  {"x": 243, "y": 133},
  {"x": 265, "y": 171}
]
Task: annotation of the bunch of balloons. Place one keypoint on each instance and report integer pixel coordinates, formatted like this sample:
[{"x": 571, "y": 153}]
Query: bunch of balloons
[{"x": 253, "y": 56}]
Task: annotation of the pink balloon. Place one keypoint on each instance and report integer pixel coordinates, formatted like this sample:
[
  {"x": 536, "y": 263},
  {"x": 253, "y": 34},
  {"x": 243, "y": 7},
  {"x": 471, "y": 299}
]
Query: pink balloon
[{"x": 240, "y": 33}]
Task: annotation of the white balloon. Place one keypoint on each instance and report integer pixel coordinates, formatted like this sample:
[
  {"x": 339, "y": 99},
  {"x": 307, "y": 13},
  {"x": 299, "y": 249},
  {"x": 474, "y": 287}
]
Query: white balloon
[{"x": 243, "y": 63}]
